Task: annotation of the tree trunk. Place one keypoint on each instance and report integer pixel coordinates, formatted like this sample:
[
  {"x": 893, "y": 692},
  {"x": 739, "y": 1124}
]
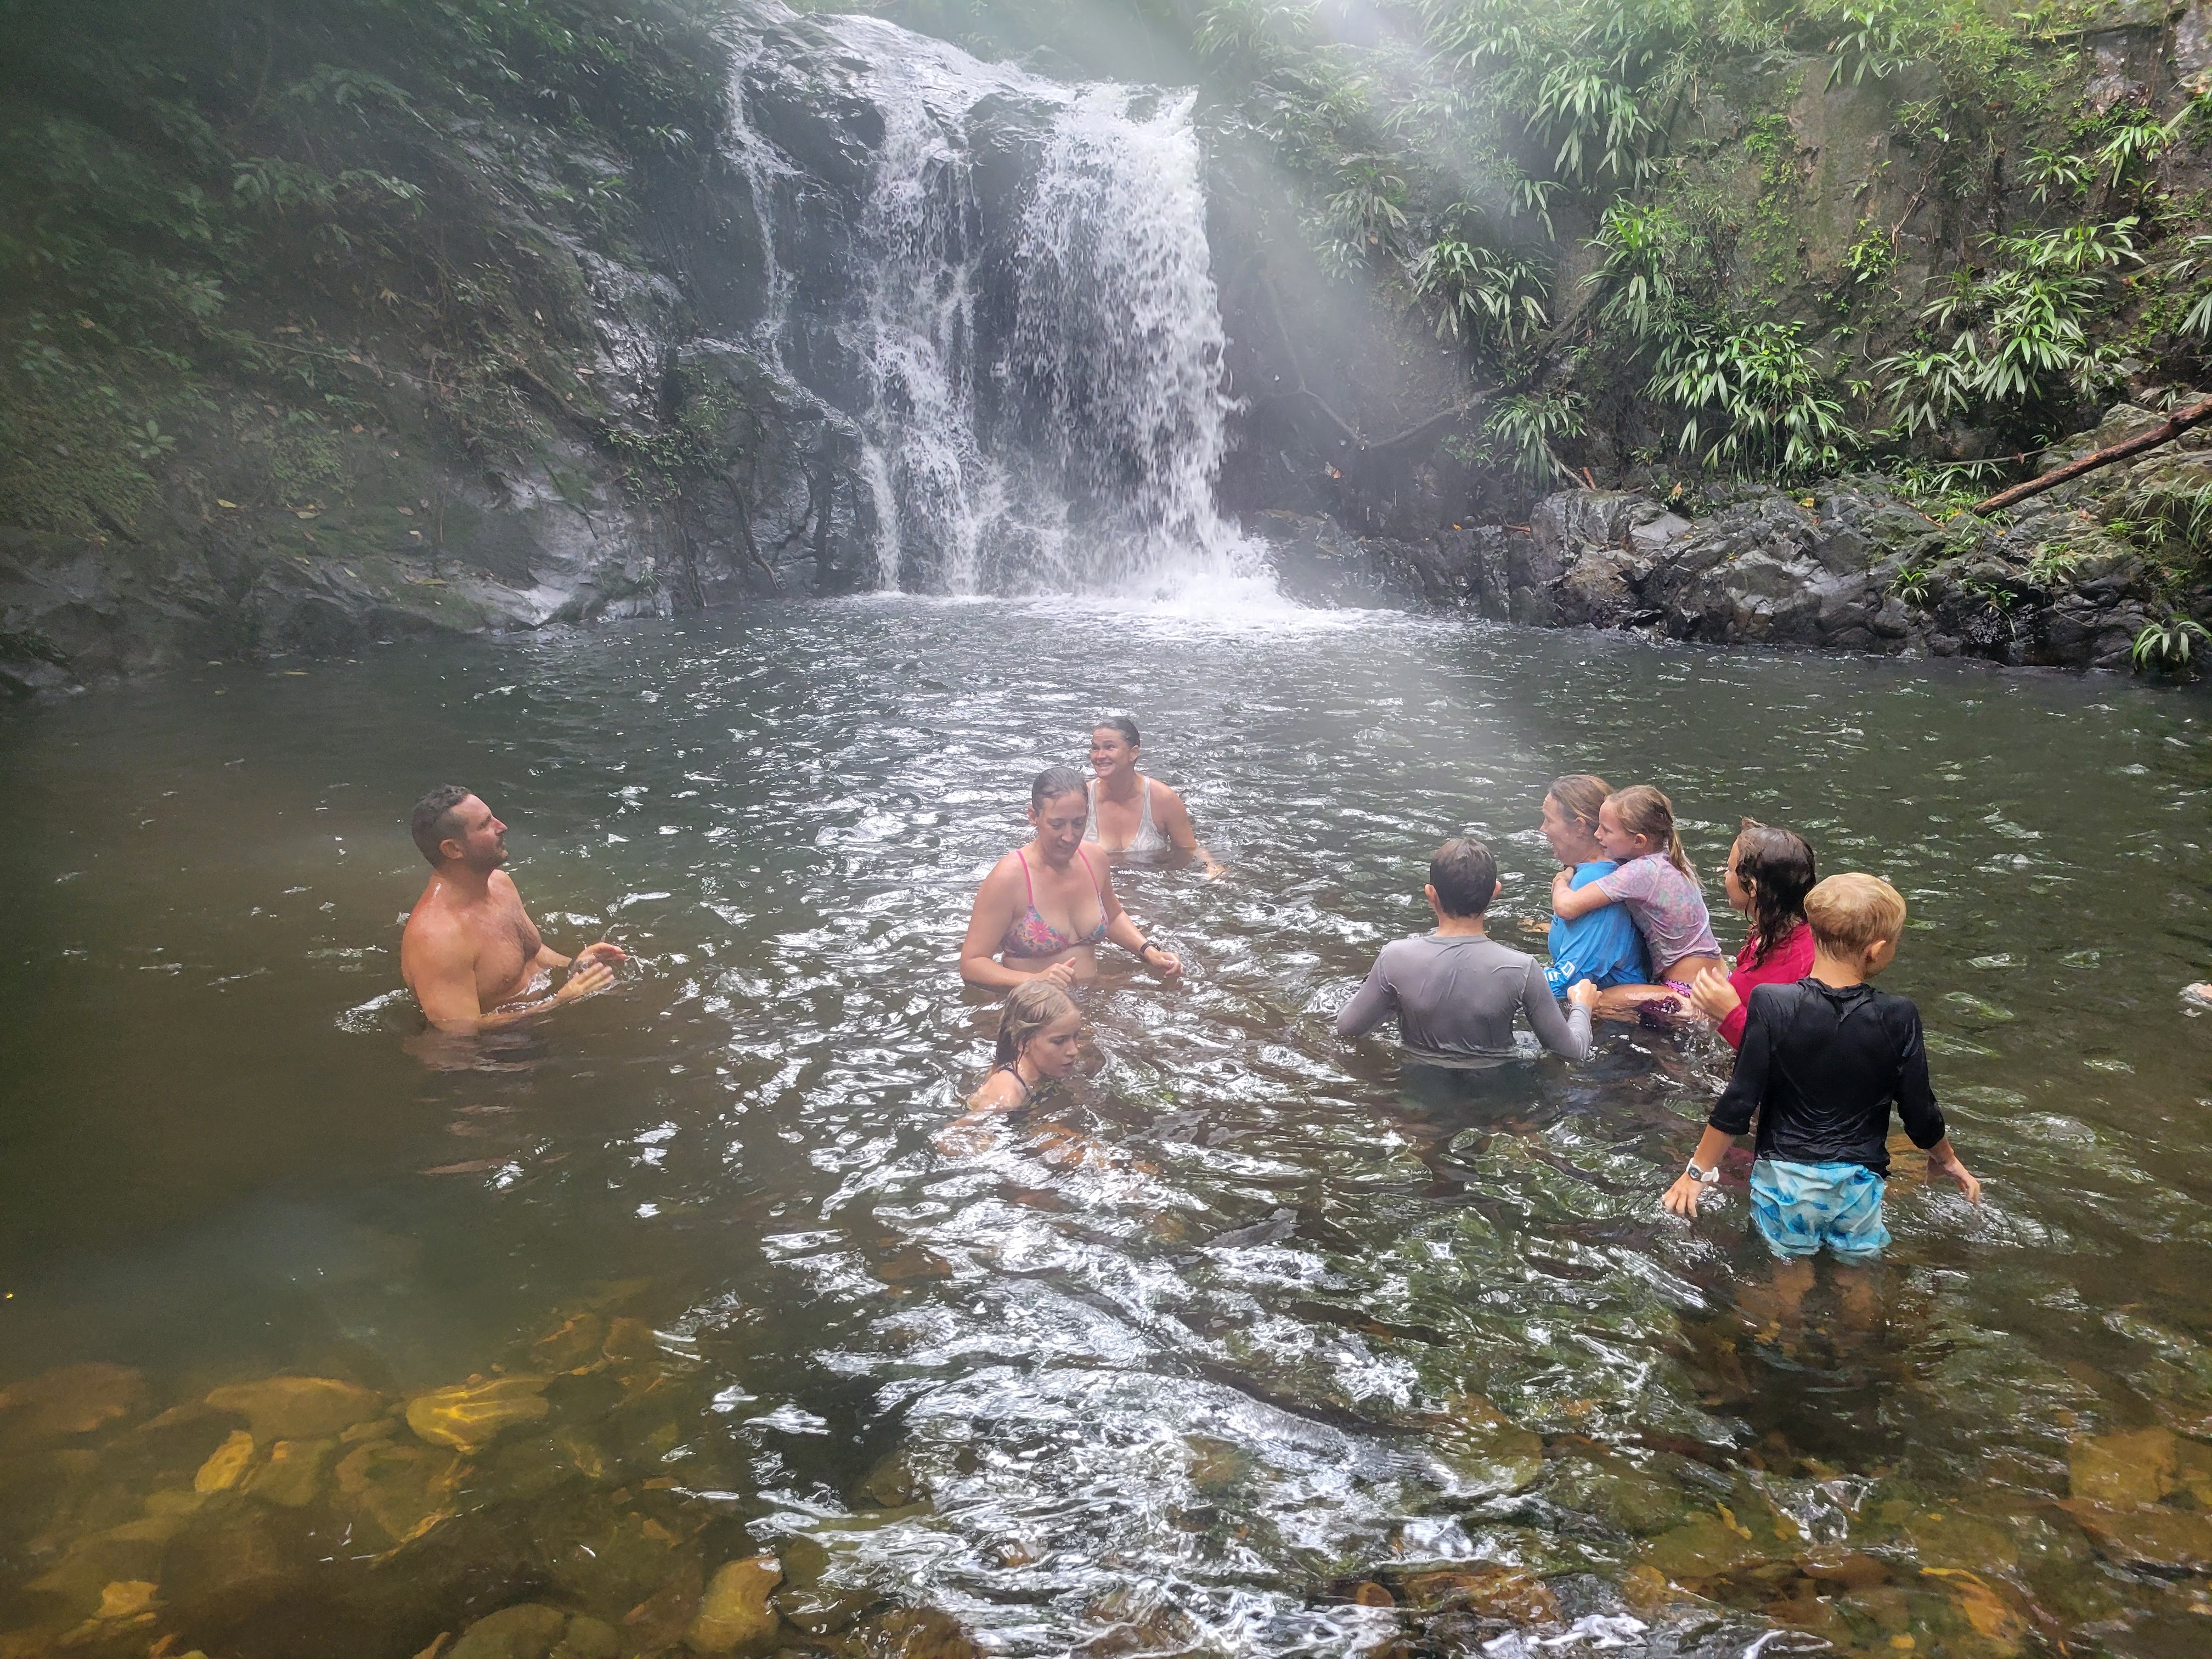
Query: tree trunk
[{"x": 2165, "y": 432}]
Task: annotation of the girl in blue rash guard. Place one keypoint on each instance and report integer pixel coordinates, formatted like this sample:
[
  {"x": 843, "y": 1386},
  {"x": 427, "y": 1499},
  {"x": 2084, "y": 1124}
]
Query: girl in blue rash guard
[{"x": 1604, "y": 945}]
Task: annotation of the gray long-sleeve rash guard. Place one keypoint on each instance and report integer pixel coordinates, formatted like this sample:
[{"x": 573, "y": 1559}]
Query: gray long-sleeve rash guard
[{"x": 1455, "y": 996}]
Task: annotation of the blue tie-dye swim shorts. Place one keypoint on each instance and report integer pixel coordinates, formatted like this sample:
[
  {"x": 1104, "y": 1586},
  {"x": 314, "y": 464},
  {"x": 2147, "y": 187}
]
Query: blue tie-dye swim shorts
[{"x": 1799, "y": 1208}]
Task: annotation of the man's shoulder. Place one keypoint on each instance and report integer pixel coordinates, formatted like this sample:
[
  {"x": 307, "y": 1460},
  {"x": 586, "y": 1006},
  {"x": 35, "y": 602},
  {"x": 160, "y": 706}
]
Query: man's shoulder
[
  {"x": 431, "y": 924},
  {"x": 1430, "y": 944}
]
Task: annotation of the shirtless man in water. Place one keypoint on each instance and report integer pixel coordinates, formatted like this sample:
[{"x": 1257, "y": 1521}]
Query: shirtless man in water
[{"x": 470, "y": 947}]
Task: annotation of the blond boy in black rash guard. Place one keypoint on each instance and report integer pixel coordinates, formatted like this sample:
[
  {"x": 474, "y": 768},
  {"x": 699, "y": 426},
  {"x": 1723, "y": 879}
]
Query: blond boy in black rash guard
[{"x": 1823, "y": 1060}]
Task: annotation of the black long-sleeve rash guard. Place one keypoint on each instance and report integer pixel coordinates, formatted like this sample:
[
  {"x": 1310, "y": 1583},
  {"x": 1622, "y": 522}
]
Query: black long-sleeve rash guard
[{"x": 1821, "y": 1067}]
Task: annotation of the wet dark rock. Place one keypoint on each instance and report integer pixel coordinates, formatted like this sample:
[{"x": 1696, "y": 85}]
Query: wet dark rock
[{"x": 1853, "y": 568}]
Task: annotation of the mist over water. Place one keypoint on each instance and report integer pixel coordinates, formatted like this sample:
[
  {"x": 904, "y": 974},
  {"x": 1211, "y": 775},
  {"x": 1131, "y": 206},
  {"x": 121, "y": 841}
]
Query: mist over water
[{"x": 1249, "y": 1316}]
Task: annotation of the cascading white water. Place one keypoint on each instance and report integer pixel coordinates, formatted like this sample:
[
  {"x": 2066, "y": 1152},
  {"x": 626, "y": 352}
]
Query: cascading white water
[
  {"x": 1044, "y": 398},
  {"x": 1118, "y": 328}
]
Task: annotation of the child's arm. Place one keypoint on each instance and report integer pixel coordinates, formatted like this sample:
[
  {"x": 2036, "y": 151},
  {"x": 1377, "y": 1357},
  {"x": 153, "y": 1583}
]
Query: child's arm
[
  {"x": 1681, "y": 1198},
  {"x": 1569, "y": 901},
  {"x": 1731, "y": 1116},
  {"x": 1944, "y": 1156},
  {"x": 1924, "y": 1118}
]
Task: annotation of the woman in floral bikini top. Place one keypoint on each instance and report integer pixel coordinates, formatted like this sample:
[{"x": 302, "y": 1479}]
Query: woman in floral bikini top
[{"x": 1045, "y": 907}]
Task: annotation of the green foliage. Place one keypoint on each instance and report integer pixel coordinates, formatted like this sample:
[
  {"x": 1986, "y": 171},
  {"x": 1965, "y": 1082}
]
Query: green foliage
[
  {"x": 1915, "y": 585},
  {"x": 1483, "y": 297},
  {"x": 1754, "y": 398},
  {"x": 2169, "y": 646},
  {"x": 1636, "y": 249},
  {"x": 1871, "y": 257},
  {"x": 2007, "y": 342},
  {"x": 1521, "y": 428},
  {"x": 1874, "y": 45}
]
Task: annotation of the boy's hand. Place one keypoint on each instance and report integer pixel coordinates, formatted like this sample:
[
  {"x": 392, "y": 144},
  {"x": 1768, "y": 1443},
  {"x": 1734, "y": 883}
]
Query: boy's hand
[
  {"x": 1583, "y": 993},
  {"x": 1714, "y": 997},
  {"x": 1681, "y": 1198},
  {"x": 1948, "y": 1161}
]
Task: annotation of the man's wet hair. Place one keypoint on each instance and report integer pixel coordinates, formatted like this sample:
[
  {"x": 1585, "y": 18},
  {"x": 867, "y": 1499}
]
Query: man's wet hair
[
  {"x": 432, "y": 820},
  {"x": 1464, "y": 873}
]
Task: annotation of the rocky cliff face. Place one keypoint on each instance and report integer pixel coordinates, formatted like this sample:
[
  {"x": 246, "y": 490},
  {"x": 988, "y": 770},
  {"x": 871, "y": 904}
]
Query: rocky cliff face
[
  {"x": 2066, "y": 583},
  {"x": 885, "y": 315}
]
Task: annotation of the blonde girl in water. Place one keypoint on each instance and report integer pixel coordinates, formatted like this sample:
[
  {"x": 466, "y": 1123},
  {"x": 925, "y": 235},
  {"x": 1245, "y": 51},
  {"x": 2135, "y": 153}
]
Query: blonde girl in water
[
  {"x": 1040, "y": 1032},
  {"x": 1657, "y": 884},
  {"x": 1129, "y": 812}
]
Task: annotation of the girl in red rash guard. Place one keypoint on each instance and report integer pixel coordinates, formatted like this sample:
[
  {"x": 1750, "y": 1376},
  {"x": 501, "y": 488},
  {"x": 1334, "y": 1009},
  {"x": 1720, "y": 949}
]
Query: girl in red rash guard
[{"x": 1770, "y": 871}]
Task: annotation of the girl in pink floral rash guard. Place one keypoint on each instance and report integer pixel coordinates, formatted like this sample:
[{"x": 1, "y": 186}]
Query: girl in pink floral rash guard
[{"x": 1658, "y": 886}]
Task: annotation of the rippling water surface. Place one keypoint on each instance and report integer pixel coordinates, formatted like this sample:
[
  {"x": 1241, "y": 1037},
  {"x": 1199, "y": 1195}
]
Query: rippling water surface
[{"x": 1229, "y": 1349}]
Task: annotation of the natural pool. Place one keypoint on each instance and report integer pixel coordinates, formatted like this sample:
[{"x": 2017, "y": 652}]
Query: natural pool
[{"x": 1245, "y": 1346}]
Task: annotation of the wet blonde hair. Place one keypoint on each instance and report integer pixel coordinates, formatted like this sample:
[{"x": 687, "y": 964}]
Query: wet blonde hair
[
  {"x": 1849, "y": 912},
  {"x": 1031, "y": 1007},
  {"x": 1642, "y": 810}
]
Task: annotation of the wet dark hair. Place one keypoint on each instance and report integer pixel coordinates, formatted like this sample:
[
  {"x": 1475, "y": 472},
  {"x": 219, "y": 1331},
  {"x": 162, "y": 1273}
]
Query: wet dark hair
[
  {"x": 1055, "y": 781},
  {"x": 1120, "y": 723},
  {"x": 1464, "y": 873},
  {"x": 1777, "y": 865},
  {"x": 432, "y": 820}
]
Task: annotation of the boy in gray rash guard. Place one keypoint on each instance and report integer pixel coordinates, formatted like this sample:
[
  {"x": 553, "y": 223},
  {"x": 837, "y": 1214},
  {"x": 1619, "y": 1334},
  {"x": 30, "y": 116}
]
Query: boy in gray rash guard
[{"x": 1455, "y": 990}]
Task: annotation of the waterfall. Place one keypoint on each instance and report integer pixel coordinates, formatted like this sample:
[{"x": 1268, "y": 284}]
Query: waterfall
[{"x": 1022, "y": 320}]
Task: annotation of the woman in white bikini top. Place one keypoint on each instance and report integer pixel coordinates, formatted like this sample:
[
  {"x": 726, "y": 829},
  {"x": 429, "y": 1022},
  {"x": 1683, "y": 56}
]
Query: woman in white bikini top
[{"x": 1163, "y": 824}]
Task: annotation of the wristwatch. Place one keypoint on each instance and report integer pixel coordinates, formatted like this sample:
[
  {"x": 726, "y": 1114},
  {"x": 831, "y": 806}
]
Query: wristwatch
[{"x": 1702, "y": 1178}]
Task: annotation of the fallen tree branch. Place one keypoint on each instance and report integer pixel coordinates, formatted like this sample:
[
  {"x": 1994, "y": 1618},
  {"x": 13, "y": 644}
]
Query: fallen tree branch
[{"x": 2165, "y": 432}]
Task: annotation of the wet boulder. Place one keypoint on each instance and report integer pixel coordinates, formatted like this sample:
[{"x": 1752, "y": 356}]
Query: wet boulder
[
  {"x": 297, "y": 1408},
  {"x": 470, "y": 1416},
  {"x": 735, "y": 1616},
  {"x": 528, "y": 1631}
]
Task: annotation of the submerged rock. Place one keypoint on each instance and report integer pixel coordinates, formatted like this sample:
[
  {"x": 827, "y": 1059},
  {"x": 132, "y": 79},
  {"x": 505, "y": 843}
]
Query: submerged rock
[
  {"x": 292, "y": 1474},
  {"x": 471, "y": 1415},
  {"x": 735, "y": 1616},
  {"x": 226, "y": 1465},
  {"x": 587, "y": 1637},
  {"x": 1493, "y": 1590},
  {"x": 919, "y": 1633},
  {"x": 398, "y": 1488},
  {"x": 1484, "y": 1450},
  {"x": 2124, "y": 1471},
  {"x": 528, "y": 1631},
  {"x": 297, "y": 1408},
  {"x": 572, "y": 1343},
  {"x": 73, "y": 1400}
]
